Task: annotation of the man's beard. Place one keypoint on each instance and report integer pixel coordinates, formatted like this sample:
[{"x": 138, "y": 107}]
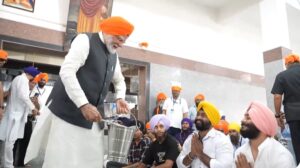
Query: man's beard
[
  {"x": 234, "y": 139},
  {"x": 160, "y": 137},
  {"x": 111, "y": 49},
  {"x": 41, "y": 85},
  {"x": 250, "y": 131},
  {"x": 202, "y": 125}
]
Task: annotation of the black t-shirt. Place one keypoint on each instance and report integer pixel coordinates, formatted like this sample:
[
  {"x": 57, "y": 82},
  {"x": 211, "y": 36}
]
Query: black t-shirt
[
  {"x": 159, "y": 153},
  {"x": 288, "y": 83}
]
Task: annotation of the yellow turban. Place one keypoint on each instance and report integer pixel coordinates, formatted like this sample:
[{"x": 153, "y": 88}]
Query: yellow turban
[
  {"x": 211, "y": 112},
  {"x": 234, "y": 126},
  {"x": 116, "y": 26}
]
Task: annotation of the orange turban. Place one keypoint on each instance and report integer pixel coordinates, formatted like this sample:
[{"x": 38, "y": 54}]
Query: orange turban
[
  {"x": 148, "y": 125},
  {"x": 200, "y": 96},
  {"x": 176, "y": 88},
  {"x": 161, "y": 96},
  {"x": 222, "y": 126},
  {"x": 116, "y": 25},
  {"x": 3, "y": 54},
  {"x": 40, "y": 77},
  {"x": 291, "y": 58}
]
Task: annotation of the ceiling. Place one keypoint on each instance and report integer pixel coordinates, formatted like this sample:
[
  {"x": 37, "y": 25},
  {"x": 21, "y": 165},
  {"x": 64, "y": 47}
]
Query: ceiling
[{"x": 214, "y": 3}]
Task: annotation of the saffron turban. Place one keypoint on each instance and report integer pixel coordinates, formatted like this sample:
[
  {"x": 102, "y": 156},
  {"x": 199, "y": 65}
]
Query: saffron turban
[
  {"x": 116, "y": 25},
  {"x": 148, "y": 125},
  {"x": 222, "y": 125},
  {"x": 200, "y": 97},
  {"x": 161, "y": 96},
  {"x": 41, "y": 76},
  {"x": 176, "y": 88},
  {"x": 160, "y": 118},
  {"x": 263, "y": 118},
  {"x": 291, "y": 59},
  {"x": 31, "y": 71},
  {"x": 211, "y": 112},
  {"x": 188, "y": 121},
  {"x": 3, "y": 54},
  {"x": 234, "y": 126}
]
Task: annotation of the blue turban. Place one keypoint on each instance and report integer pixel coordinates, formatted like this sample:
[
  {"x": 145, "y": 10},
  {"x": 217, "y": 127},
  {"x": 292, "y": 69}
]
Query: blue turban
[
  {"x": 188, "y": 121},
  {"x": 160, "y": 118},
  {"x": 31, "y": 71}
]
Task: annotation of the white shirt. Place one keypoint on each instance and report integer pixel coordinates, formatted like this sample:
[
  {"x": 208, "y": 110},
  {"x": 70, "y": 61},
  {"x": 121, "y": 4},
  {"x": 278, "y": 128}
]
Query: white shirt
[
  {"x": 271, "y": 154},
  {"x": 75, "y": 59},
  {"x": 241, "y": 142},
  {"x": 13, "y": 123},
  {"x": 215, "y": 145},
  {"x": 43, "y": 94},
  {"x": 175, "y": 110}
]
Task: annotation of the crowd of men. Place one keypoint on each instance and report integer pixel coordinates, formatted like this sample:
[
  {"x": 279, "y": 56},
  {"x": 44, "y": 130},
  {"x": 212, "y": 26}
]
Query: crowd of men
[{"x": 175, "y": 136}]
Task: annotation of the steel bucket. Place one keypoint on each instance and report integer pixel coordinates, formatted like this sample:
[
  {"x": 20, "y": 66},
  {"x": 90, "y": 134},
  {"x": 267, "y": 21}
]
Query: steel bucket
[{"x": 119, "y": 141}]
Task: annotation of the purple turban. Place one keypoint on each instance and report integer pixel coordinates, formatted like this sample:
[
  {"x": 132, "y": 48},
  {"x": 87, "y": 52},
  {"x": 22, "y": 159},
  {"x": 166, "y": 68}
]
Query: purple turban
[
  {"x": 160, "y": 118},
  {"x": 188, "y": 121},
  {"x": 31, "y": 71}
]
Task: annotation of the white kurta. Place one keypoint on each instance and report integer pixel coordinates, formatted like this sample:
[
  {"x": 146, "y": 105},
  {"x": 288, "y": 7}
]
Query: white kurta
[
  {"x": 69, "y": 145},
  {"x": 271, "y": 154},
  {"x": 175, "y": 110},
  {"x": 13, "y": 124},
  {"x": 215, "y": 145}
]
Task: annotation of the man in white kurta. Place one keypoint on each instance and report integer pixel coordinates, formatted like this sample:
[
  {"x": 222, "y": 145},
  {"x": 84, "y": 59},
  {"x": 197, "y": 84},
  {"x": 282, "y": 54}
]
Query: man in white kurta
[
  {"x": 262, "y": 150},
  {"x": 206, "y": 147},
  {"x": 70, "y": 145},
  {"x": 176, "y": 109},
  {"x": 15, "y": 117}
]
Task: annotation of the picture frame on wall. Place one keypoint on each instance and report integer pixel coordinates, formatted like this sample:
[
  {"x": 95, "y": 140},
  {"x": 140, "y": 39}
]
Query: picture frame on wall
[
  {"x": 27, "y": 5},
  {"x": 84, "y": 17}
]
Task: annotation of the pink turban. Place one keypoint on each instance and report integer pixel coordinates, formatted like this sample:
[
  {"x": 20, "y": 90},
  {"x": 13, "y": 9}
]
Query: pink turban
[
  {"x": 160, "y": 118},
  {"x": 263, "y": 118}
]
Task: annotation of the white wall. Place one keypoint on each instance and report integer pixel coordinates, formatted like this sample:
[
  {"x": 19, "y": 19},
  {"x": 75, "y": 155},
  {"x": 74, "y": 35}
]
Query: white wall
[
  {"x": 230, "y": 96},
  {"x": 293, "y": 15},
  {"x": 189, "y": 30},
  {"x": 51, "y": 14}
]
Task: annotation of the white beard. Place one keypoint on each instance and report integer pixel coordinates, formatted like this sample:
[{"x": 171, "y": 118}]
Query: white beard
[{"x": 111, "y": 49}]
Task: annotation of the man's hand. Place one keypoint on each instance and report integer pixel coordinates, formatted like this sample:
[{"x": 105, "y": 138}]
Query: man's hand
[
  {"x": 122, "y": 106},
  {"x": 280, "y": 120},
  {"x": 196, "y": 146},
  {"x": 90, "y": 113},
  {"x": 242, "y": 162},
  {"x": 35, "y": 112}
]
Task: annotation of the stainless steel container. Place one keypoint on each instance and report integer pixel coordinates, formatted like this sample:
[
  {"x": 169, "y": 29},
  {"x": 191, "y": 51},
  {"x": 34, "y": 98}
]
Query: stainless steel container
[{"x": 119, "y": 141}]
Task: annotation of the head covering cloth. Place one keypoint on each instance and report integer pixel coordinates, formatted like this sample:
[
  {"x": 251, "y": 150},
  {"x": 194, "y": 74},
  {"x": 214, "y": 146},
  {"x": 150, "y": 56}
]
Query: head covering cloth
[{"x": 263, "y": 118}]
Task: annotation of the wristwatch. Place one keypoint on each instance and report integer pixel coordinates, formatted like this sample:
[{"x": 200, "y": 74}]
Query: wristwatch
[{"x": 277, "y": 115}]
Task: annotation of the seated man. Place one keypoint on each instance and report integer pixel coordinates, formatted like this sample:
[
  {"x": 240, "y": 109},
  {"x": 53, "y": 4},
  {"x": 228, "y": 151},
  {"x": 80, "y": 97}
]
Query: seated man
[
  {"x": 208, "y": 147},
  {"x": 162, "y": 152},
  {"x": 138, "y": 146},
  {"x": 259, "y": 125},
  {"x": 186, "y": 130},
  {"x": 235, "y": 137}
]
